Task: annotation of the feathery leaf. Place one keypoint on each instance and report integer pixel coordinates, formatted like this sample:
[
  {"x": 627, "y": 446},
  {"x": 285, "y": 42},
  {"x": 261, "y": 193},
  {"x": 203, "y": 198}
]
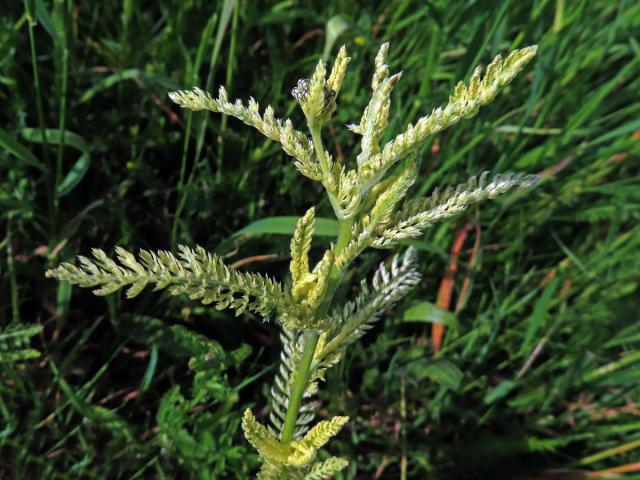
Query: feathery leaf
[
  {"x": 195, "y": 272},
  {"x": 464, "y": 103},
  {"x": 281, "y": 389},
  {"x": 300, "y": 245},
  {"x": 326, "y": 469},
  {"x": 389, "y": 285},
  {"x": 294, "y": 142},
  {"x": 262, "y": 440},
  {"x": 418, "y": 215},
  {"x": 323, "y": 431}
]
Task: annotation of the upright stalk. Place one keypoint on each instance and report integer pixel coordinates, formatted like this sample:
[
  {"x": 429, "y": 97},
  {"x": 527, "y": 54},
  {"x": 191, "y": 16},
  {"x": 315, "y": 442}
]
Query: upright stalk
[
  {"x": 311, "y": 338},
  {"x": 311, "y": 341},
  {"x": 62, "y": 127},
  {"x": 40, "y": 109},
  {"x": 15, "y": 303},
  {"x": 324, "y": 165},
  {"x": 299, "y": 386}
]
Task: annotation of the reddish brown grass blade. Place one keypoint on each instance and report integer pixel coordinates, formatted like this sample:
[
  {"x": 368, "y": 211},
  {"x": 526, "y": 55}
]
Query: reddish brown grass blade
[{"x": 445, "y": 291}]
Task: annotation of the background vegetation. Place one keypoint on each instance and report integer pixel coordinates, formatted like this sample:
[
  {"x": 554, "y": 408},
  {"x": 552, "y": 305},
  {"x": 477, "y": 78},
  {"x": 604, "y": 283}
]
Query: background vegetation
[{"x": 539, "y": 370}]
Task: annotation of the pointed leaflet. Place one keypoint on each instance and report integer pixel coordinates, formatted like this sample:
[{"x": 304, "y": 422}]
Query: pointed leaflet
[
  {"x": 326, "y": 469},
  {"x": 300, "y": 245}
]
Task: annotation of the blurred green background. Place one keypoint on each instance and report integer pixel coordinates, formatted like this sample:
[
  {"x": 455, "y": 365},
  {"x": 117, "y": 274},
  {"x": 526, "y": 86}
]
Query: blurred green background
[{"x": 539, "y": 372}]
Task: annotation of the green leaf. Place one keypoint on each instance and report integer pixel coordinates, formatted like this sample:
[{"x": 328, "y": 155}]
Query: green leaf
[
  {"x": 180, "y": 342},
  {"x": 30, "y": 9},
  {"x": 442, "y": 372},
  {"x": 446, "y": 374},
  {"x": 19, "y": 332},
  {"x": 55, "y": 138},
  {"x": 71, "y": 139},
  {"x": 172, "y": 406},
  {"x": 597, "y": 98},
  {"x": 427, "y": 312},
  {"x": 11, "y": 146},
  {"x": 334, "y": 28},
  {"x": 502, "y": 389},
  {"x": 536, "y": 319},
  {"x": 225, "y": 17},
  {"x": 101, "y": 415},
  {"x": 14, "y": 341},
  {"x": 63, "y": 299},
  {"x": 111, "y": 80},
  {"x": 151, "y": 368},
  {"x": 42, "y": 14},
  {"x": 73, "y": 177},
  {"x": 324, "y": 227}
]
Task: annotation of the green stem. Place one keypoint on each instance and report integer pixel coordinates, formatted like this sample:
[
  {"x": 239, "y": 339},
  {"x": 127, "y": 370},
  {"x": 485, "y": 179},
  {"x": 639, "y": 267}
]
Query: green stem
[
  {"x": 40, "y": 109},
  {"x": 15, "y": 303},
  {"x": 62, "y": 126},
  {"x": 304, "y": 369},
  {"x": 180, "y": 188},
  {"x": 299, "y": 386},
  {"x": 311, "y": 341},
  {"x": 314, "y": 128},
  {"x": 327, "y": 178},
  {"x": 344, "y": 236}
]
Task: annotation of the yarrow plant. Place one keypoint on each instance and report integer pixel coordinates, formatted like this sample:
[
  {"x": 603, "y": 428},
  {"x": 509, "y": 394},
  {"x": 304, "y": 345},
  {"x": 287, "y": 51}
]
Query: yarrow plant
[{"x": 368, "y": 199}]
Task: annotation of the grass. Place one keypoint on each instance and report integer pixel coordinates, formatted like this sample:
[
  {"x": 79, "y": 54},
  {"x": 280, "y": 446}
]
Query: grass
[{"x": 539, "y": 371}]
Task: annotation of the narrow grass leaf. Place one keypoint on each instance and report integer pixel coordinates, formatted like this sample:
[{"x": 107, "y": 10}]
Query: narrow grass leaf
[
  {"x": 150, "y": 371},
  {"x": 63, "y": 299},
  {"x": 71, "y": 139},
  {"x": 500, "y": 391},
  {"x": 42, "y": 14},
  {"x": 79, "y": 168},
  {"x": 75, "y": 175},
  {"x": 13, "y": 147},
  {"x": 110, "y": 81},
  {"x": 427, "y": 312},
  {"x": 597, "y": 98},
  {"x": 443, "y": 372},
  {"x": 535, "y": 321},
  {"x": 324, "y": 227},
  {"x": 101, "y": 415}
]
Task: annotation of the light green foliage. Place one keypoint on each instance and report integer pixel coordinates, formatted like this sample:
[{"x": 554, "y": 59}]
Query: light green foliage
[
  {"x": 195, "y": 272},
  {"x": 322, "y": 432},
  {"x": 293, "y": 142},
  {"x": 263, "y": 440},
  {"x": 300, "y": 245},
  {"x": 368, "y": 202},
  {"x": 417, "y": 215},
  {"x": 389, "y": 285},
  {"x": 326, "y": 469},
  {"x": 465, "y": 102},
  {"x": 293, "y": 459},
  {"x": 338, "y": 71}
]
